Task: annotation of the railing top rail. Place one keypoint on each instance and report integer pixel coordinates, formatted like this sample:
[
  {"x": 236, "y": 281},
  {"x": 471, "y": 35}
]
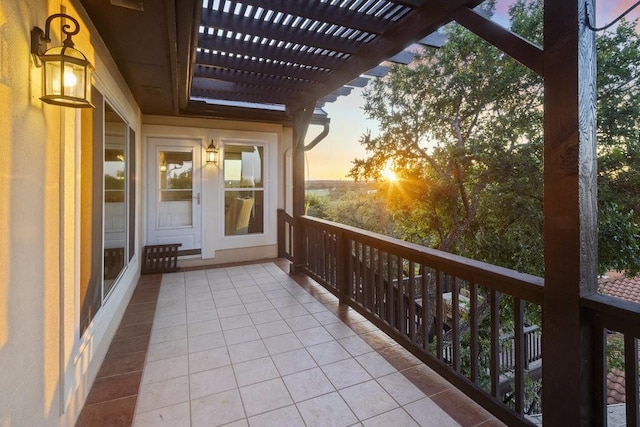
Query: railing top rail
[
  {"x": 614, "y": 313},
  {"x": 522, "y": 285}
]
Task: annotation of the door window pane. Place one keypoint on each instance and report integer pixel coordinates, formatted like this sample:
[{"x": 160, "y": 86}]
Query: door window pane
[{"x": 175, "y": 174}]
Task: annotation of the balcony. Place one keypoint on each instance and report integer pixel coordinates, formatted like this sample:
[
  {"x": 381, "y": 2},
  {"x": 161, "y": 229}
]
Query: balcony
[
  {"x": 250, "y": 344},
  {"x": 477, "y": 325}
]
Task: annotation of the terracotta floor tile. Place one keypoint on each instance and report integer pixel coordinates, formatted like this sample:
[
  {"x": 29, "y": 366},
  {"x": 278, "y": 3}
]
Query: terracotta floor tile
[
  {"x": 128, "y": 345},
  {"x": 114, "y": 387},
  {"x": 460, "y": 407},
  {"x": 426, "y": 380},
  {"x": 400, "y": 358},
  {"x": 114, "y": 413},
  {"x": 122, "y": 363},
  {"x": 130, "y": 331},
  {"x": 132, "y": 317}
]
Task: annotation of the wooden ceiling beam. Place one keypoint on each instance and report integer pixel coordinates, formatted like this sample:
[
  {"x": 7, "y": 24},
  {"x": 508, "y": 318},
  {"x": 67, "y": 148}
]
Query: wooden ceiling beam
[
  {"x": 512, "y": 44},
  {"x": 274, "y": 53},
  {"x": 231, "y": 63},
  {"x": 421, "y": 22},
  {"x": 239, "y": 24},
  {"x": 250, "y": 78}
]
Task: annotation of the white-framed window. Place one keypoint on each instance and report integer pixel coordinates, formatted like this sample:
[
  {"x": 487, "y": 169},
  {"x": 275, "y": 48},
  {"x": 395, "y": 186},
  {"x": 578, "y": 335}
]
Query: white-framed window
[{"x": 244, "y": 188}]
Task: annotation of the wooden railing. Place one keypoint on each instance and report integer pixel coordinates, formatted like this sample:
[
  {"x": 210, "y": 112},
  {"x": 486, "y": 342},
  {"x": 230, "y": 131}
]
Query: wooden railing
[
  {"x": 285, "y": 235},
  {"x": 476, "y": 324},
  {"x": 613, "y": 319}
]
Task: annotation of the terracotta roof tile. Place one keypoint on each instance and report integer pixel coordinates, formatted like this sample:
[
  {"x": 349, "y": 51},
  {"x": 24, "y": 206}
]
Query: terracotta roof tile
[
  {"x": 616, "y": 387},
  {"x": 619, "y": 286}
]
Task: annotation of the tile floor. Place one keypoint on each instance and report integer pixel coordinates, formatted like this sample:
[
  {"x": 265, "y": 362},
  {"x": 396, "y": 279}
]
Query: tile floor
[{"x": 249, "y": 345}]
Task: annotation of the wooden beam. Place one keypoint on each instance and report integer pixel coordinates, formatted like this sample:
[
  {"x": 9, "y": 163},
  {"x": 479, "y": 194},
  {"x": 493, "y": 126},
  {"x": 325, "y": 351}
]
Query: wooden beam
[
  {"x": 570, "y": 219},
  {"x": 512, "y": 44},
  {"x": 423, "y": 21},
  {"x": 301, "y": 120}
]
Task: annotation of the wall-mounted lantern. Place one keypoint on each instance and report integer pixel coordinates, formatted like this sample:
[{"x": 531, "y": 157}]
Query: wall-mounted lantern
[
  {"x": 65, "y": 69},
  {"x": 212, "y": 154}
]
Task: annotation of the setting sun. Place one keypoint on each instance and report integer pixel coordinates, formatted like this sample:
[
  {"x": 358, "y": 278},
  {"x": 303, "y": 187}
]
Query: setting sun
[{"x": 389, "y": 174}]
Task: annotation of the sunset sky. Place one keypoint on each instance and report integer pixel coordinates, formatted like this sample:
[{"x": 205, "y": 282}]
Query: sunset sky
[{"x": 331, "y": 159}]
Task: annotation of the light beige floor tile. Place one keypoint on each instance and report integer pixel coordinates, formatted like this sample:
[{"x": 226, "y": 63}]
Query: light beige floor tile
[
  {"x": 217, "y": 409},
  {"x": 265, "y": 396},
  {"x": 285, "y": 301},
  {"x": 206, "y": 342},
  {"x": 328, "y": 352},
  {"x": 165, "y": 369},
  {"x": 355, "y": 345},
  {"x": 283, "y": 417},
  {"x": 231, "y": 311},
  {"x": 427, "y": 413},
  {"x": 282, "y": 343},
  {"x": 227, "y": 302},
  {"x": 400, "y": 388},
  {"x": 346, "y": 373},
  {"x": 224, "y": 293},
  {"x": 255, "y": 297},
  {"x": 167, "y": 350},
  {"x": 289, "y": 311},
  {"x": 235, "y": 322},
  {"x": 314, "y": 336},
  {"x": 293, "y": 361},
  {"x": 240, "y": 335},
  {"x": 269, "y": 315},
  {"x": 163, "y": 393},
  {"x": 255, "y": 371},
  {"x": 339, "y": 330},
  {"x": 326, "y": 317},
  {"x": 205, "y": 295},
  {"x": 208, "y": 359},
  {"x": 307, "y": 384},
  {"x": 271, "y": 329},
  {"x": 168, "y": 321},
  {"x": 205, "y": 304},
  {"x": 212, "y": 381},
  {"x": 252, "y": 289},
  {"x": 397, "y": 417},
  {"x": 326, "y": 410},
  {"x": 255, "y": 307},
  {"x": 202, "y": 328},
  {"x": 315, "y": 307},
  {"x": 247, "y": 351},
  {"x": 171, "y": 333},
  {"x": 376, "y": 402},
  {"x": 300, "y": 323},
  {"x": 201, "y": 316},
  {"x": 170, "y": 416},
  {"x": 375, "y": 364},
  {"x": 278, "y": 293}
]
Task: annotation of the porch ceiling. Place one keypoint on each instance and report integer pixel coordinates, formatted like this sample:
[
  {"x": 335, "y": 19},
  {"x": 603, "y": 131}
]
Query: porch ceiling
[{"x": 259, "y": 59}]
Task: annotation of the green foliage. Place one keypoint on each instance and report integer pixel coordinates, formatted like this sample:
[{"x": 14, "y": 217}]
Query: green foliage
[{"x": 462, "y": 129}]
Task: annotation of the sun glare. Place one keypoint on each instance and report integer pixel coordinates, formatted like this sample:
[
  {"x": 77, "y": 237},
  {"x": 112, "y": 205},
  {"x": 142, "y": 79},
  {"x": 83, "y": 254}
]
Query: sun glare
[{"x": 389, "y": 174}]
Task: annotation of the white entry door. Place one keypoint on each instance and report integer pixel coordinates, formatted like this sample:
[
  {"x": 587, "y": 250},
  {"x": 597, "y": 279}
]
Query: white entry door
[{"x": 174, "y": 184}]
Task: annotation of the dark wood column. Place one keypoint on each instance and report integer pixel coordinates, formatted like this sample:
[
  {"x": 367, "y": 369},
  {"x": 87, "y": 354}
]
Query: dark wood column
[
  {"x": 301, "y": 120},
  {"x": 570, "y": 217}
]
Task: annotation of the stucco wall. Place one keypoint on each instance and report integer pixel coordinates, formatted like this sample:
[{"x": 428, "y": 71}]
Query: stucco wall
[{"x": 46, "y": 368}]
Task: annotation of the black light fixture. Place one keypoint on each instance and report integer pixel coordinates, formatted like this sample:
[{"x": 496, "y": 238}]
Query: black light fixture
[
  {"x": 212, "y": 154},
  {"x": 65, "y": 69}
]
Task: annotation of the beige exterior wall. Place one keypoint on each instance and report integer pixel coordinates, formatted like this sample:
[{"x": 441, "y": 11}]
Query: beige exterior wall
[{"x": 46, "y": 368}]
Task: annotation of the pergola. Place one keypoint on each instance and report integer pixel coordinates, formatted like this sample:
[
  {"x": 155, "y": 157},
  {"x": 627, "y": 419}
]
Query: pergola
[{"x": 280, "y": 60}]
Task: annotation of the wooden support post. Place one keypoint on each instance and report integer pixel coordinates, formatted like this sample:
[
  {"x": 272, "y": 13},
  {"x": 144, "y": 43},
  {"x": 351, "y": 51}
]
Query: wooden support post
[
  {"x": 301, "y": 120},
  {"x": 570, "y": 217}
]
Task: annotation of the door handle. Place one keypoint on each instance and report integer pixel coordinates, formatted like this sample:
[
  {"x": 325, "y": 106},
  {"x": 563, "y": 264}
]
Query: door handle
[{"x": 197, "y": 198}]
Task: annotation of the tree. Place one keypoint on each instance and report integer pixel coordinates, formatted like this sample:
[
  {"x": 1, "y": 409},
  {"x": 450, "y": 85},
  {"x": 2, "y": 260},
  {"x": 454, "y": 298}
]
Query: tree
[
  {"x": 463, "y": 130},
  {"x": 454, "y": 126}
]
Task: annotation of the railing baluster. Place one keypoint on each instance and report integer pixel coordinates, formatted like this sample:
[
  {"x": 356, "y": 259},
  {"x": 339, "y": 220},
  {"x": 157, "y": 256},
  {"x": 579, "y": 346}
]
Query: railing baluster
[
  {"x": 412, "y": 301},
  {"x": 439, "y": 314},
  {"x": 424, "y": 311},
  {"x": 455, "y": 323},
  {"x": 518, "y": 337},
  {"x": 473, "y": 325},
  {"x": 600, "y": 372},
  {"x": 495, "y": 344},
  {"x": 379, "y": 287},
  {"x": 391, "y": 301},
  {"x": 631, "y": 378},
  {"x": 401, "y": 297}
]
